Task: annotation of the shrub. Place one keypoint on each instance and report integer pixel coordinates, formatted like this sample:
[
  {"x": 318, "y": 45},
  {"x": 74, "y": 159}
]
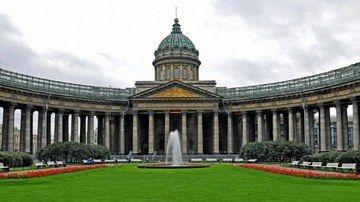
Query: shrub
[
  {"x": 15, "y": 159},
  {"x": 281, "y": 151},
  {"x": 71, "y": 152}
]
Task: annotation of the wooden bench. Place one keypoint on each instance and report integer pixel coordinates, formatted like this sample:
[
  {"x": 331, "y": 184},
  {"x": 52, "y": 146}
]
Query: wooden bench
[
  {"x": 211, "y": 160},
  {"x": 331, "y": 166},
  {"x": 252, "y": 160},
  {"x": 294, "y": 163},
  {"x": 110, "y": 161},
  {"x": 348, "y": 166},
  {"x": 238, "y": 160},
  {"x": 98, "y": 161},
  {"x": 122, "y": 160},
  {"x": 51, "y": 164},
  {"x": 135, "y": 160},
  {"x": 60, "y": 163},
  {"x": 305, "y": 164},
  {"x": 196, "y": 160},
  {"x": 39, "y": 165},
  {"x": 4, "y": 168},
  {"x": 315, "y": 165},
  {"x": 227, "y": 160}
]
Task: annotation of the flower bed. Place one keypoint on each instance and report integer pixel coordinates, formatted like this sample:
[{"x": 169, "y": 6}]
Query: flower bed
[
  {"x": 300, "y": 172},
  {"x": 48, "y": 171}
]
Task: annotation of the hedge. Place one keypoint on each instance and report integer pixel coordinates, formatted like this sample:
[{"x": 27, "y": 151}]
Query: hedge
[
  {"x": 278, "y": 151},
  {"x": 15, "y": 159},
  {"x": 72, "y": 152}
]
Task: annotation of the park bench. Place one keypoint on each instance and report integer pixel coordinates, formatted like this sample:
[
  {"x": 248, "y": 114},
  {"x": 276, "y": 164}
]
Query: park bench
[
  {"x": 122, "y": 160},
  {"x": 51, "y": 164},
  {"x": 348, "y": 166},
  {"x": 227, "y": 160},
  {"x": 110, "y": 161},
  {"x": 97, "y": 161},
  {"x": 252, "y": 160},
  {"x": 60, "y": 163},
  {"x": 331, "y": 166},
  {"x": 238, "y": 160},
  {"x": 294, "y": 163},
  {"x": 86, "y": 161},
  {"x": 315, "y": 165},
  {"x": 196, "y": 160},
  {"x": 211, "y": 160},
  {"x": 39, "y": 165},
  {"x": 135, "y": 161},
  {"x": 305, "y": 164},
  {"x": 4, "y": 168}
]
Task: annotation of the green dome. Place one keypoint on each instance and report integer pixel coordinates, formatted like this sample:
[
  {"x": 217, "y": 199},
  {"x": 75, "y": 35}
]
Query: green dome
[{"x": 176, "y": 39}]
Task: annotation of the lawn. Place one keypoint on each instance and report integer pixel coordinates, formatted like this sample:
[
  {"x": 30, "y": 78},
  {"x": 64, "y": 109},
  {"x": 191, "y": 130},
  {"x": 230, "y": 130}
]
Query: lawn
[{"x": 217, "y": 183}]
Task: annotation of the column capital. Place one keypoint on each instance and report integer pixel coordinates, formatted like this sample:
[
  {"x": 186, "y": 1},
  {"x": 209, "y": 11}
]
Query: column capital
[
  {"x": 183, "y": 112},
  {"x": 274, "y": 110},
  {"x": 200, "y": 111},
  {"x": 337, "y": 103},
  {"x": 259, "y": 112},
  {"x": 92, "y": 113},
  {"x": 243, "y": 112},
  {"x": 61, "y": 110},
  {"x": 216, "y": 112},
  {"x": 290, "y": 109},
  {"x": 167, "y": 111},
  {"x": 151, "y": 112},
  {"x": 229, "y": 114},
  {"x": 108, "y": 113},
  {"x": 77, "y": 112},
  {"x": 29, "y": 106},
  {"x": 353, "y": 99}
]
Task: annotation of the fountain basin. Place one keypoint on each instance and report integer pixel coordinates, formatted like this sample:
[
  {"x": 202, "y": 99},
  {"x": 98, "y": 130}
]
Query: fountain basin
[{"x": 172, "y": 166}]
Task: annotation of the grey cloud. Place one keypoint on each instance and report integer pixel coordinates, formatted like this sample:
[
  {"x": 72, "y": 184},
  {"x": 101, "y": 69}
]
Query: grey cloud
[
  {"x": 15, "y": 55},
  {"x": 287, "y": 22}
]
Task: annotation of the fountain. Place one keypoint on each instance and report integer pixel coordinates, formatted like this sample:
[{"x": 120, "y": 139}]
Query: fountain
[{"x": 173, "y": 158}]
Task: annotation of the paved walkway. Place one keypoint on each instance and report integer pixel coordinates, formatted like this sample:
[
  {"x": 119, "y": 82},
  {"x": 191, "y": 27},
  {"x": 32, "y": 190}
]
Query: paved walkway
[{"x": 276, "y": 168}]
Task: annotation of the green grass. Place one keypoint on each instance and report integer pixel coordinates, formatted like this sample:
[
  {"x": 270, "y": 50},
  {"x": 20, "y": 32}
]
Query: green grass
[{"x": 217, "y": 183}]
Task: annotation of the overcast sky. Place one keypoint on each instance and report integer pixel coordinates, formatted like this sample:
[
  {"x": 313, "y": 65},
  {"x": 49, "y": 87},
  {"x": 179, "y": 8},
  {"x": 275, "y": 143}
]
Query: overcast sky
[{"x": 112, "y": 42}]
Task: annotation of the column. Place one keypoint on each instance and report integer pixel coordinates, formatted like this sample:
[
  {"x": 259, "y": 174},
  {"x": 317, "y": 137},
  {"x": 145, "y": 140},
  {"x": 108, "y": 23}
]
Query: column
[
  {"x": 151, "y": 132},
  {"x": 356, "y": 135},
  {"x": 200, "y": 146},
  {"x": 345, "y": 123},
  {"x": 122, "y": 134},
  {"x": 28, "y": 126},
  {"x": 107, "y": 131},
  {"x": 135, "y": 139},
  {"x": 83, "y": 128},
  {"x": 230, "y": 144},
  {"x": 65, "y": 136},
  {"x": 307, "y": 126},
  {"x": 215, "y": 132},
  {"x": 41, "y": 137},
  {"x": 91, "y": 132},
  {"x": 10, "y": 128},
  {"x": 183, "y": 132},
  {"x": 4, "y": 128},
  {"x": 291, "y": 124},
  {"x": 22, "y": 130},
  {"x": 58, "y": 137},
  {"x": 167, "y": 128},
  {"x": 324, "y": 133},
  {"x": 100, "y": 132},
  {"x": 75, "y": 126},
  {"x": 276, "y": 124},
  {"x": 339, "y": 127},
  {"x": 245, "y": 129},
  {"x": 48, "y": 128},
  {"x": 260, "y": 126},
  {"x": 311, "y": 129}
]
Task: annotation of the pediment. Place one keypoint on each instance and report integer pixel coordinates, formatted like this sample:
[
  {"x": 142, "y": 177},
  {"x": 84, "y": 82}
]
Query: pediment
[{"x": 175, "y": 90}]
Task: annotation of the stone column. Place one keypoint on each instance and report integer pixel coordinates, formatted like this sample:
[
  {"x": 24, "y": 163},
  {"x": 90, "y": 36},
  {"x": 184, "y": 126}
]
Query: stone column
[
  {"x": 83, "y": 128},
  {"x": 344, "y": 116},
  {"x": 183, "y": 132},
  {"x": 167, "y": 128},
  {"x": 122, "y": 134},
  {"x": 75, "y": 127},
  {"x": 291, "y": 124},
  {"x": 324, "y": 133},
  {"x": 356, "y": 134},
  {"x": 215, "y": 132},
  {"x": 65, "y": 137},
  {"x": 91, "y": 132},
  {"x": 10, "y": 128},
  {"x": 307, "y": 126},
  {"x": 22, "y": 130},
  {"x": 230, "y": 144},
  {"x": 4, "y": 128},
  {"x": 200, "y": 146},
  {"x": 27, "y": 130},
  {"x": 276, "y": 124},
  {"x": 245, "y": 129},
  {"x": 41, "y": 137},
  {"x": 48, "y": 129},
  {"x": 311, "y": 129},
  {"x": 59, "y": 126},
  {"x": 339, "y": 127},
  {"x": 135, "y": 139},
  {"x": 107, "y": 131},
  {"x": 260, "y": 126},
  {"x": 151, "y": 132}
]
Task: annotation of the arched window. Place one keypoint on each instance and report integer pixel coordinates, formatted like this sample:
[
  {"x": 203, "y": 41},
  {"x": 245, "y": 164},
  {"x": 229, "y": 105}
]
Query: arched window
[
  {"x": 185, "y": 73},
  {"x": 191, "y": 74},
  {"x": 176, "y": 73},
  {"x": 168, "y": 72},
  {"x": 162, "y": 73}
]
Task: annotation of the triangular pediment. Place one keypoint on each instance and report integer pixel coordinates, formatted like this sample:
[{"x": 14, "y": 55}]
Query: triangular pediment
[{"x": 175, "y": 90}]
